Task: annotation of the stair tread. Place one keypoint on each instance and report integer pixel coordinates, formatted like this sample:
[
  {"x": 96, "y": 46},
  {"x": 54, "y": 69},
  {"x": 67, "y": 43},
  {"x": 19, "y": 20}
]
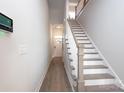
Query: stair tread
[
  {"x": 72, "y": 67},
  {"x": 70, "y": 60},
  {"x": 91, "y": 59},
  {"x": 89, "y": 47},
  {"x": 74, "y": 77},
  {"x": 94, "y": 67},
  {"x": 76, "y": 27},
  {"x": 85, "y": 43},
  {"x": 90, "y": 53},
  {"x": 98, "y": 76},
  {"x": 82, "y": 39},
  {"x": 78, "y": 30},
  {"x": 68, "y": 47},
  {"x": 103, "y": 88},
  {"x": 79, "y": 34}
]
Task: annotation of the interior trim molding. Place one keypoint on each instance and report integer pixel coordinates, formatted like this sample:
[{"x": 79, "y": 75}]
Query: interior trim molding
[{"x": 37, "y": 89}]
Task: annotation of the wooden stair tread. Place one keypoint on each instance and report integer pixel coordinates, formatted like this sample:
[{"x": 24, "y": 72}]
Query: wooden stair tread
[
  {"x": 85, "y": 43},
  {"x": 69, "y": 53},
  {"x": 103, "y": 88},
  {"x": 76, "y": 27},
  {"x": 74, "y": 77},
  {"x": 91, "y": 53},
  {"x": 79, "y": 33},
  {"x": 82, "y": 39},
  {"x": 98, "y": 76},
  {"x": 77, "y": 30},
  {"x": 70, "y": 60},
  {"x": 93, "y": 59},
  {"x": 67, "y": 43},
  {"x": 94, "y": 67},
  {"x": 72, "y": 67},
  {"x": 89, "y": 47}
]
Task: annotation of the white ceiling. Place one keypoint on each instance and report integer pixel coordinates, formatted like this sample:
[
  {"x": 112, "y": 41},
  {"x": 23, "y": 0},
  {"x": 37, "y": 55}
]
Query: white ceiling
[{"x": 56, "y": 8}]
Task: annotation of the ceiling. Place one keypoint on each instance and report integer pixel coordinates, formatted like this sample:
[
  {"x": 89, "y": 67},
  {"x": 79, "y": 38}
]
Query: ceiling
[{"x": 56, "y": 11}]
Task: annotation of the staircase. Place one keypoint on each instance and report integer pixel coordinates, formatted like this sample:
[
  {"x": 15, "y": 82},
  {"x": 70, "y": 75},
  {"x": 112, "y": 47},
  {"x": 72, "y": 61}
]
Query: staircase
[{"x": 86, "y": 68}]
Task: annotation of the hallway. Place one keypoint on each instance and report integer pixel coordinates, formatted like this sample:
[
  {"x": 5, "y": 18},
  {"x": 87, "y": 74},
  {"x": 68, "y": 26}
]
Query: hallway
[{"x": 56, "y": 79}]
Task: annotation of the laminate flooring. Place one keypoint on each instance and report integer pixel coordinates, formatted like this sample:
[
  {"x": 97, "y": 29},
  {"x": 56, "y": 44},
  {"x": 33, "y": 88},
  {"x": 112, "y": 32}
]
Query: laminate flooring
[{"x": 56, "y": 79}]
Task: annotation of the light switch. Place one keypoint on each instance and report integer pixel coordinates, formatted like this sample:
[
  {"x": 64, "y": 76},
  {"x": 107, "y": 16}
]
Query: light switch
[{"x": 23, "y": 49}]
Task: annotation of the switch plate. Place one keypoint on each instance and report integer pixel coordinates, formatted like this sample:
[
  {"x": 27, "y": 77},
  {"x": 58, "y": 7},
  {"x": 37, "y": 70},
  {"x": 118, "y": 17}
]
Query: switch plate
[{"x": 23, "y": 49}]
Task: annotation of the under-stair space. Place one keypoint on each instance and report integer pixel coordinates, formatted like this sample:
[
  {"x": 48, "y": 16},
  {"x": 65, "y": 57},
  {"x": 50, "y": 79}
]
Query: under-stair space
[{"x": 86, "y": 68}]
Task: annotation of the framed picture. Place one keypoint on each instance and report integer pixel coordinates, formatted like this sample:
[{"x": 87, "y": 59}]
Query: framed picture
[{"x": 6, "y": 23}]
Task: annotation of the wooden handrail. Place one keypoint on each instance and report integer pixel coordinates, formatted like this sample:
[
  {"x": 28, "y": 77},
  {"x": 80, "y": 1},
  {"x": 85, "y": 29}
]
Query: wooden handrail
[{"x": 84, "y": 4}]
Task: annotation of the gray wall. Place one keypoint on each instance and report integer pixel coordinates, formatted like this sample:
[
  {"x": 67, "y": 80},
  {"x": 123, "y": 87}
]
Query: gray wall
[
  {"x": 24, "y": 54},
  {"x": 104, "y": 22}
]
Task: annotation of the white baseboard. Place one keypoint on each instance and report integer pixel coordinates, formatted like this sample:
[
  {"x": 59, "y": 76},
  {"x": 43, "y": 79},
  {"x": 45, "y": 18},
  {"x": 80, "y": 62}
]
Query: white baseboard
[{"x": 37, "y": 89}]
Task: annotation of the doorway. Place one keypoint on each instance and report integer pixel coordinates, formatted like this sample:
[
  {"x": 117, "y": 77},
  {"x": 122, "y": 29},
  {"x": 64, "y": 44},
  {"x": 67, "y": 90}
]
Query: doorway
[{"x": 57, "y": 35}]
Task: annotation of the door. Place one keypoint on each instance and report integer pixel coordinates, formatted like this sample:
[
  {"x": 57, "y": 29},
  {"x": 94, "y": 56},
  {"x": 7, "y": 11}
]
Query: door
[{"x": 57, "y": 41}]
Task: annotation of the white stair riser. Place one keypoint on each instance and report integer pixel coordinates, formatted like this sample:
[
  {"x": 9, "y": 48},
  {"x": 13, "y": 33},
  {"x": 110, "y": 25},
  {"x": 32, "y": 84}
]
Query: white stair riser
[
  {"x": 79, "y": 32},
  {"x": 93, "y": 63},
  {"x": 90, "y": 50},
  {"x": 77, "y": 28},
  {"x": 81, "y": 37},
  {"x": 85, "y": 41},
  {"x": 95, "y": 71},
  {"x": 91, "y": 56},
  {"x": 88, "y": 45},
  {"x": 99, "y": 82}
]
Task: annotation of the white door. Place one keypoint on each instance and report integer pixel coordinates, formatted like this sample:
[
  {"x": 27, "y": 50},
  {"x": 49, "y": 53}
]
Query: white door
[{"x": 57, "y": 41}]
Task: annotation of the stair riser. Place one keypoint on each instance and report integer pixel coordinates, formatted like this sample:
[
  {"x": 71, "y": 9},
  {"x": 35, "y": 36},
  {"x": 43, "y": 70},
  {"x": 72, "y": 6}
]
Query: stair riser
[
  {"x": 93, "y": 63},
  {"x": 81, "y": 37},
  {"x": 86, "y": 41},
  {"x": 99, "y": 82},
  {"x": 90, "y": 50},
  {"x": 78, "y": 35},
  {"x": 86, "y": 56},
  {"x": 95, "y": 71}
]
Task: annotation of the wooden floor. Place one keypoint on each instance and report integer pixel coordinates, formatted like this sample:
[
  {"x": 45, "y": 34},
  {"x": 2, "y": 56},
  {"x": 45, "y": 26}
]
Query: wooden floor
[{"x": 56, "y": 79}]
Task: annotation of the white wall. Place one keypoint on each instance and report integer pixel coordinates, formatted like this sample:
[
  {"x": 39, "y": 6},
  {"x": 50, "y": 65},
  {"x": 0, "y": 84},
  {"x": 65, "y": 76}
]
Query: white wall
[
  {"x": 104, "y": 21},
  {"x": 23, "y": 72}
]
